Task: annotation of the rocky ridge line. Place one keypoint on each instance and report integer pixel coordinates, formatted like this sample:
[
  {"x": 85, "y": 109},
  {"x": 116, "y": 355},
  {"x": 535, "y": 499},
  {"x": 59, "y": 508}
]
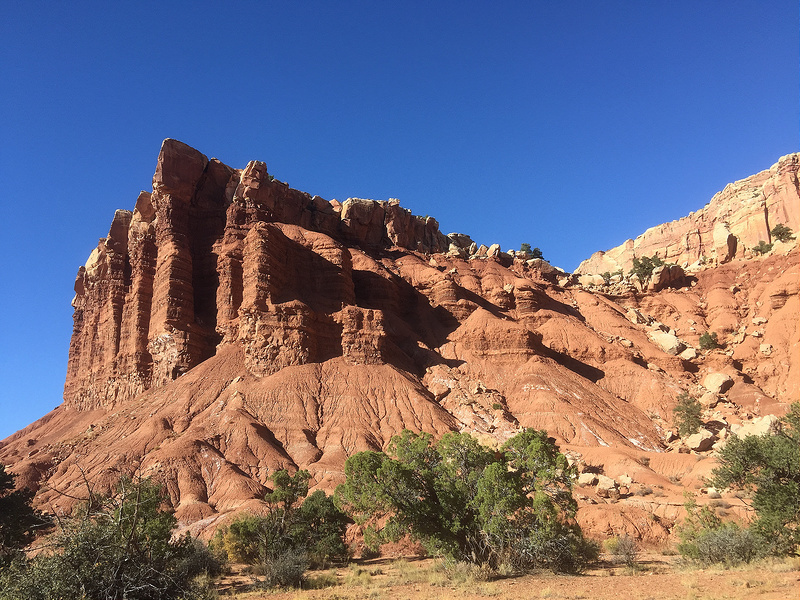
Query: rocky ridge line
[{"x": 728, "y": 227}]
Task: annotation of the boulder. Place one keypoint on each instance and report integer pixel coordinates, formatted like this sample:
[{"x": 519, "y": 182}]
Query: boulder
[
  {"x": 636, "y": 317},
  {"x": 460, "y": 239},
  {"x": 709, "y": 400},
  {"x": 701, "y": 441},
  {"x": 591, "y": 280},
  {"x": 541, "y": 265},
  {"x": 606, "y": 487},
  {"x": 668, "y": 342},
  {"x": 767, "y": 424},
  {"x": 717, "y": 383}
]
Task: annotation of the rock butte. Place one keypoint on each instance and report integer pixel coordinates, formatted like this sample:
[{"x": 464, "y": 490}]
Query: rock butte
[{"x": 230, "y": 326}]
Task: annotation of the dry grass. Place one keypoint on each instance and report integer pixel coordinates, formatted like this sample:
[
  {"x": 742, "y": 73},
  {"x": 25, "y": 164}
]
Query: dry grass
[{"x": 659, "y": 578}]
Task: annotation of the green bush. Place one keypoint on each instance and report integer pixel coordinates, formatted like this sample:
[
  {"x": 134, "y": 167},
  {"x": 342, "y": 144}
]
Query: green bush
[
  {"x": 525, "y": 249},
  {"x": 762, "y": 248},
  {"x": 687, "y": 415},
  {"x": 709, "y": 341},
  {"x": 291, "y": 537},
  {"x": 768, "y": 468},
  {"x": 706, "y": 540},
  {"x": 728, "y": 544},
  {"x": 468, "y": 503},
  {"x": 118, "y": 546},
  {"x": 643, "y": 267},
  {"x": 782, "y": 233},
  {"x": 19, "y": 521}
]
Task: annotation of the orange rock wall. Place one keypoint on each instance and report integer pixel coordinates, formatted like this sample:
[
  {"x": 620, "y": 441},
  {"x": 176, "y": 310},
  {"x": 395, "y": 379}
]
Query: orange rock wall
[
  {"x": 734, "y": 221},
  {"x": 201, "y": 262}
]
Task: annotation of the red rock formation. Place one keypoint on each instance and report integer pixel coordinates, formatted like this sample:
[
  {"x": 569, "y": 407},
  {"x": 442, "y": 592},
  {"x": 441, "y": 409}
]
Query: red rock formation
[
  {"x": 734, "y": 221},
  {"x": 231, "y": 326}
]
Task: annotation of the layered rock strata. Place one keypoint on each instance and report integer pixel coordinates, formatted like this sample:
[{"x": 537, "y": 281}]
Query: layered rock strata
[
  {"x": 728, "y": 227},
  {"x": 230, "y": 326},
  {"x": 201, "y": 262}
]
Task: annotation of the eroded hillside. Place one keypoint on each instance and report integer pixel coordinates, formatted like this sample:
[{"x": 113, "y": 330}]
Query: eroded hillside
[{"x": 230, "y": 326}]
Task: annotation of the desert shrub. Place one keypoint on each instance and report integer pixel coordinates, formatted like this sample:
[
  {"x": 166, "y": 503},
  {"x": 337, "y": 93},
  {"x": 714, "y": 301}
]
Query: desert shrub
[
  {"x": 120, "y": 546},
  {"x": 643, "y": 267},
  {"x": 241, "y": 540},
  {"x": 282, "y": 569},
  {"x": 705, "y": 539},
  {"x": 623, "y": 549},
  {"x": 19, "y": 521},
  {"x": 782, "y": 233},
  {"x": 768, "y": 468},
  {"x": 467, "y": 503},
  {"x": 762, "y": 248},
  {"x": 687, "y": 415},
  {"x": 728, "y": 544},
  {"x": 529, "y": 252},
  {"x": 709, "y": 341},
  {"x": 291, "y": 537}
]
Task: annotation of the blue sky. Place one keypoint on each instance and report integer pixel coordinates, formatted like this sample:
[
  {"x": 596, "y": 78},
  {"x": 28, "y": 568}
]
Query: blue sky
[{"x": 568, "y": 125}]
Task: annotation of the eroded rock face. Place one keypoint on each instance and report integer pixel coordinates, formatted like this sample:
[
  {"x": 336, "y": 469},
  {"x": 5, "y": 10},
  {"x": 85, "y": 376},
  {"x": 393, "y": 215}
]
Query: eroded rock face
[
  {"x": 230, "y": 326},
  {"x": 201, "y": 262},
  {"x": 734, "y": 221}
]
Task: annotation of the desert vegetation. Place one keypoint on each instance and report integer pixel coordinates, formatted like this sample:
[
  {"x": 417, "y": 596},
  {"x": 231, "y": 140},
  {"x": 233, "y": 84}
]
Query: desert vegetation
[
  {"x": 483, "y": 513},
  {"x": 709, "y": 341},
  {"x": 767, "y": 469},
  {"x": 19, "y": 521},
  {"x": 782, "y": 233},
  {"x": 114, "y": 546},
  {"x": 643, "y": 267},
  {"x": 525, "y": 248},
  {"x": 512, "y": 508},
  {"x": 762, "y": 248},
  {"x": 291, "y": 537},
  {"x": 688, "y": 413}
]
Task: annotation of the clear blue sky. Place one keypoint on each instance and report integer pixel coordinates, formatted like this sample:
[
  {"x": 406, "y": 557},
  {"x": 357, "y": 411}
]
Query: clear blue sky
[{"x": 568, "y": 125}]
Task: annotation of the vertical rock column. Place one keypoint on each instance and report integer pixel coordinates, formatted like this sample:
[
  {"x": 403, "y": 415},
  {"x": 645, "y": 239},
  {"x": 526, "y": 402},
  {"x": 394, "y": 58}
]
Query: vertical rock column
[
  {"x": 100, "y": 289},
  {"x": 174, "y": 342},
  {"x": 134, "y": 362}
]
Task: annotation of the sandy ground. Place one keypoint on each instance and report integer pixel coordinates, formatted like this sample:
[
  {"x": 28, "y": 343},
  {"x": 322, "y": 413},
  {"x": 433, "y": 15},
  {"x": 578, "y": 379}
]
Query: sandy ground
[{"x": 657, "y": 577}]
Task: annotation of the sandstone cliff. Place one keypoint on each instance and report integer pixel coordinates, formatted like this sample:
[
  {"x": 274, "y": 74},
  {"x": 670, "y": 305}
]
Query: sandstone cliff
[
  {"x": 734, "y": 221},
  {"x": 229, "y": 326}
]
